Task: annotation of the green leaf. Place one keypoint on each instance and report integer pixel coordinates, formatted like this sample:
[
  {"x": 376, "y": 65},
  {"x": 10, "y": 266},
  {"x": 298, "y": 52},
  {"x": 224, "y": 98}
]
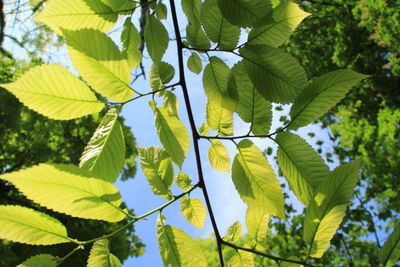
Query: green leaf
[
  {"x": 218, "y": 156},
  {"x": 121, "y": 6},
  {"x": 218, "y": 29},
  {"x": 53, "y": 91},
  {"x": 183, "y": 181},
  {"x": 204, "y": 129},
  {"x": 131, "y": 41},
  {"x": 194, "y": 211},
  {"x": 216, "y": 86},
  {"x": 157, "y": 167},
  {"x": 77, "y": 14},
  {"x": 321, "y": 95},
  {"x": 286, "y": 17},
  {"x": 104, "y": 155},
  {"x": 192, "y": 9},
  {"x": 257, "y": 225},
  {"x": 177, "y": 248},
  {"x": 156, "y": 38},
  {"x": 233, "y": 233},
  {"x": 302, "y": 166},
  {"x": 219, "y": 118},
  {"x": 161, "y": 11},
  {"x": 242, "y": 259},
  {"x": 41, "y": 260},
  {"x": 100, "y": 63},
  {"x": 276, "y": 75},
  {"x": 194, "y": 63},
  {"x": 23, "y": 225},
  {"x": 390, "y": 251},
  {"x": 252, "y": 107},
  {"x": 170, "y": 103},
  {"x": 245, "y": 13},
  {"x": 328, "y": 207},
  {"x": 196, "y": 37},
  {"x": 160, "y": 74},
  {"x": 172, "y": 134},
  {"x": 70, "y": 190},
  {"x": 100, "y": 255},
  {"x": 255, "y": 180}
]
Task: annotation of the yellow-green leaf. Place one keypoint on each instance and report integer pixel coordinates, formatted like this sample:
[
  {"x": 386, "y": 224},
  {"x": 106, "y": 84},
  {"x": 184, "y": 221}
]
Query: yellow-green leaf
[
  {"x": 77, "y": 14},
  {"x": 183, "y": 180},
  {"x": 172, "y": 134},
  {"x": 219, "y": 118},
  {"x": 70, "y": 190},
  {"x": 53, "y": 91},
  {"x": 170, "y": 103},
  {"x": 194, "y": 211},
  {"x": 255, "y": 180},
  {"x": 233, "y": 233},
  {"x": 194, "y": 63},
  {"x": 286, "y": 17},
  {"x": 328, "y": 207},
  {"x": 218, "y": 29},
  {"x": 321, "y": 95},
  {"x": 100, "y": 255},
  {"x": 160, "y": 73},
  {"x": 23, "y": 225},
  {"x": 302, "y": 166},
  {"x": 156, "y": 38},
  {"x": 121, "y": 6},
  {"x": 390, "y": 251},
  {"x": 276, "y": 74},
  {"x": 100, "y": 63},
  {"x": 242, "y": 259},
  {"x": 192, "y": 9},
  {"x": 104, "y": 155},
  {"x": 204, "y": 129},
  {"x": 131, "y": 41},
  {"x": 177, "y": 248},
  {"x": 257, "y": 225},
  {"x": 157, "y": 167},
  {"x": 41, "y": 260},
  {"x": 245, "y": 13},
  {"x": 218, "y": 156},
  {"x": 196, "y": 37},
  {"x": 252, "y": 107}
]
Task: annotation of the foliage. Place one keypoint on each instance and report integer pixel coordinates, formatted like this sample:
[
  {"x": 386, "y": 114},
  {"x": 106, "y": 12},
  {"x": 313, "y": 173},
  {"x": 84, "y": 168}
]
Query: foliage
[{"x": 269, "y": 73}]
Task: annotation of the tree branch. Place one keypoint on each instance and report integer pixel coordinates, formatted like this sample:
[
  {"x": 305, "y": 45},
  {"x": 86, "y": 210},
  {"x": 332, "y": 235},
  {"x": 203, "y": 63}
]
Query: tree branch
[{"x": 195, "y": 134}]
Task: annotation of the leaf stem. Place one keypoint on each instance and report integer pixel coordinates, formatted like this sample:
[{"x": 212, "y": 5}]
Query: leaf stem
[
  {"x": 195, "y": 134},
  {"x": 149, "y": 93}
]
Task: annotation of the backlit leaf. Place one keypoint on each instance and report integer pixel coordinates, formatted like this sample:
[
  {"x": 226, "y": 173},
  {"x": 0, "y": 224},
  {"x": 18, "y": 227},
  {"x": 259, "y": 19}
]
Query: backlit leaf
[
  {"x": 131, "y": 41},
  {"x": 194, "y": 211},
  {"x": 218, "y": 29},
  {"x": 252, "y": 107},
  {"x": 183, "y": 180},
  {"x": 204, "y": 129},
  {"x": 194, "y": 63},
  {"x": 100, "y": 255},
  {"x": 161, "y": 11},
  {"x": 286, "y": 17},
  {"x": 100, "y": 63},
  {"x": 157, "y": 167},
  {"x": 242, "y": 259},
  {"x": 196, "y": 37},
  {"x": 40, "y": 260},
  {"x": 104, "y": 155},
  {"x": 192, "y": 9},
  {"x": 245, "y": 13},
  {"x": 70, "y": 190},
  {"x": 156, "y": 38},
  {"x": 321, "y": 95},
  {"x": 177, "y": 248},
  {"x": 219, "y": 118},
  {"x": 276, "y": 74},
  {"x": 390, "y": 251},
  {"x": 255, "y": 180},
  {"x": 53, "y": 91},
  {"x": 172, "y": 134},
  {"x": 233, "y": 233},
  {"x": 302, "y": 166},
  {"x": 121, "y": 6},
  {"x": 77, "y": 14},
  {"x": 328, "y": 207},
  {"x": 257, "y": 225},
  {"x": 170, "y": 103},
  {"x": 23, "y": 225},
  {"x": 160, "y": 73},
  {"x": 218, "y": 156}
]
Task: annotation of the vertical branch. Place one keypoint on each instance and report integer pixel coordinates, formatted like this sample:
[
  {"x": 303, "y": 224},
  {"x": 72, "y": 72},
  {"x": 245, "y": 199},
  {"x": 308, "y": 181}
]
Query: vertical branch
[{"x": 195, "y": 135}]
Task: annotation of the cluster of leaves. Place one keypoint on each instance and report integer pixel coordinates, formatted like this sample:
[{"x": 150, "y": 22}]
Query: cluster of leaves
[{"x": 263, "y": 74}]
